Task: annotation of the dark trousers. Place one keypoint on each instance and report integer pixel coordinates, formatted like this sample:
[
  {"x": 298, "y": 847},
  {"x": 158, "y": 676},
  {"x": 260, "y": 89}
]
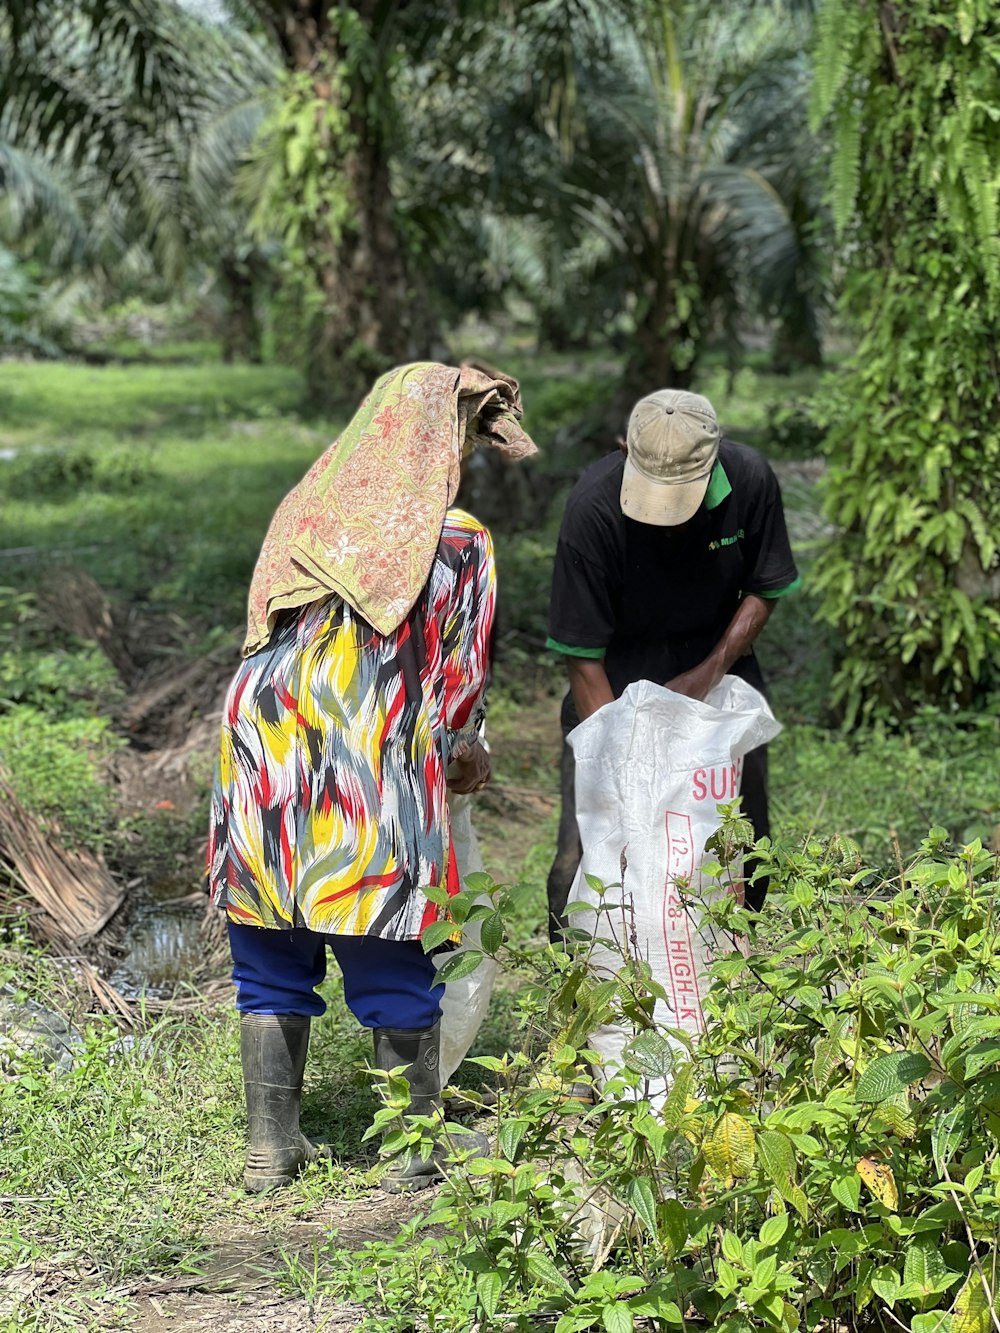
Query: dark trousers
[
  {"x": 569, "y": 850},
  {"x": 387, "y": 983}
]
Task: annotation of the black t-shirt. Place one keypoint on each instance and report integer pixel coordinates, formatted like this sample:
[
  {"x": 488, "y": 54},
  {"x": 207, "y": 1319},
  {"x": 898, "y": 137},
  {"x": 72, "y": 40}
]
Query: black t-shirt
[{"x": 654, "y": 601}]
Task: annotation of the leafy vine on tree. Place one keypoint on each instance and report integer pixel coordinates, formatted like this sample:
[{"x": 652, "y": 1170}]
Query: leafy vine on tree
[{"x": 913, "y": 577}]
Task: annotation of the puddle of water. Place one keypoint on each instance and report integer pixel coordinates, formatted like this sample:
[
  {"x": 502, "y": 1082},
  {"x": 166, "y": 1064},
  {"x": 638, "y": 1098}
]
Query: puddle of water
[{"x": 164, "y": 945}]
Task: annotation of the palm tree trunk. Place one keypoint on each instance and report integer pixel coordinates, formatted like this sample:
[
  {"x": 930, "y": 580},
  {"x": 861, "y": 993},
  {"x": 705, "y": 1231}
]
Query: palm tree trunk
[
  {"x": 242, "y": 335},
  {"x": 367, "y": 319},
  {"x": 660, "y": 357}
]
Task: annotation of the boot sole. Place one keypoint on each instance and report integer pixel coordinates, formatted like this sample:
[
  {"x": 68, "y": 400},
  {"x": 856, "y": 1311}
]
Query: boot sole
[
  {"x": 265, "y": 1184},
  {"x": 262, "y": 1175}
]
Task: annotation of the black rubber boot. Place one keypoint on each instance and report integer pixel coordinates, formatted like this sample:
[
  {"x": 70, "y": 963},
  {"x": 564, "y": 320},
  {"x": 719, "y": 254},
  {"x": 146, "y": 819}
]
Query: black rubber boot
[
  {"x": 273, "y": 1052},
  {"x": 419, "y": 1050}
]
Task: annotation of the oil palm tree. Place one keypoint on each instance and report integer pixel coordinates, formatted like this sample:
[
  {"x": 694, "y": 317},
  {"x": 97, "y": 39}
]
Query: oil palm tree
[
  {"x": 691, "y": 169},
  {"x": 113, "y": 114},
  {"x": 679, "y": 195}
]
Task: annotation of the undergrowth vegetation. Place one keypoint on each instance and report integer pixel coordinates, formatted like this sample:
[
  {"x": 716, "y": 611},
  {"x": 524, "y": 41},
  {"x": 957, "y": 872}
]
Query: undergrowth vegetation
[
  {"x": 827, "y": 1155},
  {"x": 748, "y": 1203}
]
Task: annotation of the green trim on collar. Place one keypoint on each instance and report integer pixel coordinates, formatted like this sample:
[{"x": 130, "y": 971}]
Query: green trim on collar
[
  {"x": 794, "y": 586},
  {"x": 573, "y": 652},
  {"x": 719, "y": 487}
]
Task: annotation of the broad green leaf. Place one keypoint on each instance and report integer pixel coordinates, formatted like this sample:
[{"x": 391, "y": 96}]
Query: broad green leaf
[
  {"x": 650, "y": 1054},
  {"x": 477, "y": 1261},
  {"x": 654, "y": 1304},
  {"x": 460, "y": 965},
  {"x": 924, "y": 1269},
  {"x": 894, "y": 1114},
  {"x": 675, "y": 1106},
  {"x": 937, "y": 1321},
  {"x": 437, "y": 894},
  {"x": 984, "y": 1091},
  {"x": 728, "y": 1278},
  {"x": 971, "y": 1312},
  {"x": 673, "y": 1226},
  {"x": 947, "y": 1133},
  {"x": 773, "y": 1229},
  {"x": 617, "y": 1318},
  {"x": 488, "y": 1166},
  {"x": 827, "y": 1055},
  {"x": 846, "y": 1189},
  {"x": 478, "y": 881},
  {"x": 436, "y": 933},
  {"x": 885, "y": 1283},
  {"x": 982, "y": 1056},
  {"x": 510, "y": 1136},
  {"x": 574, "y": 1323},
  {"x": 489, "y": 1287},
  {"x": 643, "y": 1201},
  {"x": 491, "y": 932},
  {"x": 540, "y": 1266},
  {"x": 731, "y": 1247},
  {"x": 888, "y": 1075},
  {"x": 777, "y": 1157},
  {"x": 729, "y": 1150},
  {"x": 491, "y": 1062},
  {"x": 765, "y": 1272},
  {"x": 504, "y": 1211}
]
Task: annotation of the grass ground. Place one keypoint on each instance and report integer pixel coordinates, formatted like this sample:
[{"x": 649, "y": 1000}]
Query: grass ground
[{"x": 119, "y": 1180}]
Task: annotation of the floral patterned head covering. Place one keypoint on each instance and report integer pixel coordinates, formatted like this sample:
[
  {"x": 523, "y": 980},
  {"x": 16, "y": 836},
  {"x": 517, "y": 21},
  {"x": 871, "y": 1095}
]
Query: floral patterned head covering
[{"x": 366, "y": 518}]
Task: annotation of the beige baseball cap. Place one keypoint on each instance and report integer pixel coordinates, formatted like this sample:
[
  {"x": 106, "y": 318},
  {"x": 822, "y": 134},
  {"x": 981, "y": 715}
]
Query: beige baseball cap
[{"x": 673, "y": 442}]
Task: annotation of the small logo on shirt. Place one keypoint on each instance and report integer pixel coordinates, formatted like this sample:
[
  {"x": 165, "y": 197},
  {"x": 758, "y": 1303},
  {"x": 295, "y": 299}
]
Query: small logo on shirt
[{"x": 727, "y": 541}]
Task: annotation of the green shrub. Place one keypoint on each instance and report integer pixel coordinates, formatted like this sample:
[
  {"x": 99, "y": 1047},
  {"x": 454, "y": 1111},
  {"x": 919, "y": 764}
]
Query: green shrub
[
  {"x": 792, "y": 432},
  {"x": 828, "y": 1154},
  {"x": 884, "y": 787},
  {"x": 71, "y": 681},
  {"x": 54, "y": 769},
  {"x": 47, "y": 669},
  {"x": 58, "y": 473},
  {"x": 49, "y": 473}
]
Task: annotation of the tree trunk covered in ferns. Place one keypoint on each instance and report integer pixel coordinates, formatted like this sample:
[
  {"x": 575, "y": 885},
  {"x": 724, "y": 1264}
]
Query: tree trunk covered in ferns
[
  {"x": 356, "y": 261},
  {"x": 911, "y": 578}
]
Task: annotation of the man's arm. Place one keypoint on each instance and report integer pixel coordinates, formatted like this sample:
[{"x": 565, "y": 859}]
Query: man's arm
[
  {"x": 751, "y": 616},
  {"x": 589, "y": 684}
]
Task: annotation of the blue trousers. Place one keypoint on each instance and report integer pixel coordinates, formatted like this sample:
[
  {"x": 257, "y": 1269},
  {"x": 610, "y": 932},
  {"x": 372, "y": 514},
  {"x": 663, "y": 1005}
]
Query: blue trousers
[{"x": 387, "y": 983}]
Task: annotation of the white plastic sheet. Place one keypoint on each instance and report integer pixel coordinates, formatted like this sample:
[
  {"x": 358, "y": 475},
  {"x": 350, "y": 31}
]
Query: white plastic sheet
[
  {"x": 466, "y": 1000},
  {"x": 651, "y": 768}
]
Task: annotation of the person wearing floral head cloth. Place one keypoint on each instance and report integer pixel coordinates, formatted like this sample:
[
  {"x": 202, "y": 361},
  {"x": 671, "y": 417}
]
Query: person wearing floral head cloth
[{"x": 357, "y": 705}]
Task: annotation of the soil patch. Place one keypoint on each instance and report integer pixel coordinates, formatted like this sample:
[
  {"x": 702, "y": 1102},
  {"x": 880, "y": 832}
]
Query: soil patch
[{"x": 238, "y": 1288}]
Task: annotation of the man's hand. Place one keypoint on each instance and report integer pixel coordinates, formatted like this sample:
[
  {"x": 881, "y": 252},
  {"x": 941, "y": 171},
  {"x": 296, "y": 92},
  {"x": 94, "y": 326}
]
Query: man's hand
[
  {"x": 697, "y": 682},
  {"x": 471, "y": 772},
  {"x": 750, "y": 618}
]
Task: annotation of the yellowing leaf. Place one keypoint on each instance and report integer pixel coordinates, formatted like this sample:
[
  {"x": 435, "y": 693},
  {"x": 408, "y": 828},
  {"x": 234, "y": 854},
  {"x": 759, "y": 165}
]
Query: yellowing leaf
[
  {"x": 691, "y": 1131},
  {"x": 880, "y": 1180},
  {"x": 971, "y": 1309},
  {"x": 894, "y": 1113},
  {"x": 729, "y": 1149}
]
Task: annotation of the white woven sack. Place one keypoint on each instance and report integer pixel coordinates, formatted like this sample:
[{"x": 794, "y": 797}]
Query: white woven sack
[
  {"x": 651, "y": 768},
  {"x": 465, "y": 1001}
]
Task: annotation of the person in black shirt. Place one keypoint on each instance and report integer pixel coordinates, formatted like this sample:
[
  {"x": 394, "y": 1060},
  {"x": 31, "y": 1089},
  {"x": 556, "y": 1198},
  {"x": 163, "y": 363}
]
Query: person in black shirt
[{"x": 670, "y": 557}]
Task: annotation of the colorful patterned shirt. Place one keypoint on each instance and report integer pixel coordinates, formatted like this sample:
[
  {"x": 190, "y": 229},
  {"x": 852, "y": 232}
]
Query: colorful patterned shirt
[{"x": 329, "y": 808}]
